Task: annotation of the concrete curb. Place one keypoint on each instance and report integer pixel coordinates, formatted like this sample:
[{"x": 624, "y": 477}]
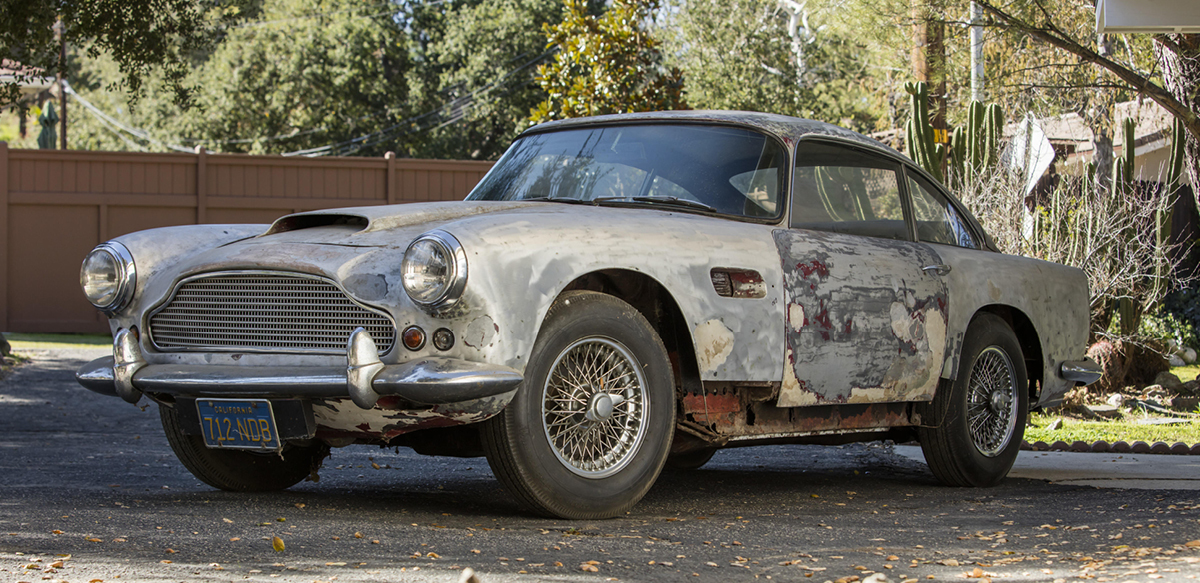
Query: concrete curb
[{"x": 1158, "y": 447}]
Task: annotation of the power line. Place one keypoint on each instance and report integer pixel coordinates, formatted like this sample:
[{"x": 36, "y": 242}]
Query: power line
[{"x": 438, "y": 117}]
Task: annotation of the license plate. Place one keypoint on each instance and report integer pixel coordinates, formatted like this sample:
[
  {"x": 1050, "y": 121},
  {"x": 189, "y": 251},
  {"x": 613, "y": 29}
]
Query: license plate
[{"x": 238, "y": 424}]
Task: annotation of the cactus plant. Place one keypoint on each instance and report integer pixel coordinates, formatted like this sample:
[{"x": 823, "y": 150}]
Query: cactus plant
[
  {"x": 977, "y": 146},
  {"x": 1129, "y": 311},
  {"x": 922, "y": 146}
]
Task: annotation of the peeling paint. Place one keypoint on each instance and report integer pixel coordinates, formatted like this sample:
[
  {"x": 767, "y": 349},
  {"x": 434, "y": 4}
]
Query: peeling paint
[
  {"x": 480, "y": 332},
  {"x": 714, "y": 344},
  {"x": 994, "y": 292},
  {"x": 793, "y": 393},
  {"x": 342, "y": 418},
  {"x": 796, "y": 317},
  {"x": 865, "y": 323}
]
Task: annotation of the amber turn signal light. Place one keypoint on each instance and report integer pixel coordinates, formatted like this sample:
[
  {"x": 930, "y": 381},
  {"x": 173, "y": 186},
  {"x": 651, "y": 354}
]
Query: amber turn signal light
[{"x": 413, "y": 338}]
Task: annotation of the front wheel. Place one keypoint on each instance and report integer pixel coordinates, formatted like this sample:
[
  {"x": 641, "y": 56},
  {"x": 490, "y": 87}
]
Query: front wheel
[
  {"x": 240, "y": 471},
  {"x": 978, "y": 423},
  {"x": 591, "y": 426}
]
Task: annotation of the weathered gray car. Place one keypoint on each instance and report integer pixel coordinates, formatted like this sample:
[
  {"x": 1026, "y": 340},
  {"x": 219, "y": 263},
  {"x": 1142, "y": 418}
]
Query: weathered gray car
[{"x": 618, "y": 294}]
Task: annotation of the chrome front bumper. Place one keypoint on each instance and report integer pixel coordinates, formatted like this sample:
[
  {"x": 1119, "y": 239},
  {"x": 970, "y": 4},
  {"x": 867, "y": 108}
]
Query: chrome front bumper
[{"x": 424, "y": 381}]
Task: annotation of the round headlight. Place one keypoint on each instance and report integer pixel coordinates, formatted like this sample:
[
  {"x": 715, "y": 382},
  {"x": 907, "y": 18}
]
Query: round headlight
[
  {"x": 108, "y": 276},
  {"x": 434, "y": 270}
]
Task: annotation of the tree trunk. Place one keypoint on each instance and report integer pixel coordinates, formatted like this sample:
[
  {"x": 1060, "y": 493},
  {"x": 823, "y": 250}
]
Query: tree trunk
[{"x": 1181, "y": 72}]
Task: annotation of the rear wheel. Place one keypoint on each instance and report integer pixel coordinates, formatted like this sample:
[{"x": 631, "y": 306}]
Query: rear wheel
[
  {"x": 590, "y": 428},
  {"x": 980, "y": 419},
  {"x": 240, "y": 471}
]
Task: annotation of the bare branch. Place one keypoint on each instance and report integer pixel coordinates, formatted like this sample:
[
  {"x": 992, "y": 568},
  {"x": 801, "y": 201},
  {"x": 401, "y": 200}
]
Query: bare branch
[{"x": 1052, "y": 35}]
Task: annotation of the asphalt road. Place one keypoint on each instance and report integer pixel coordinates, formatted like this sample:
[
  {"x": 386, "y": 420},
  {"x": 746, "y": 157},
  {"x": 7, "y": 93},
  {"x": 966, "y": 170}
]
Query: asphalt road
[{"x": 90, "y": 491}]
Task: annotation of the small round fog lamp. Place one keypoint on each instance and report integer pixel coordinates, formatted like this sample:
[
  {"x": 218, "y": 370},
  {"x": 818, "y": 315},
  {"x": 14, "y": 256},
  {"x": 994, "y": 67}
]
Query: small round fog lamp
[
  {"x": 443, "y": 339},
  {"x": 413, "y": 338}
]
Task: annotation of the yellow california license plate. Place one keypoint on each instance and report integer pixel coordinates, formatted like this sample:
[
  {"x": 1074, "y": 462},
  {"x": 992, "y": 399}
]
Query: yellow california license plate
[{"x": 238, "y": 424}]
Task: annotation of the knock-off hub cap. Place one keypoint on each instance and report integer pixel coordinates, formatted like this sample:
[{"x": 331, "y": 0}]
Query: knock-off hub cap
[{"x": 594, "y": 407}]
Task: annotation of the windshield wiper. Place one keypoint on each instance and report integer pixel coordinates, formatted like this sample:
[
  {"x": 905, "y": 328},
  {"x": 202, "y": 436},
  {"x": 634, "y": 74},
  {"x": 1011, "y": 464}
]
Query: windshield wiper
[
  {"x": 663, "y": 200},
  {"x": 556, "y": 199}
]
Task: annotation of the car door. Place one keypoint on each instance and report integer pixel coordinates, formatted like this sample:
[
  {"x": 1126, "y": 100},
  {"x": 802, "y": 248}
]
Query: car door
[{"x": 866, "y": 304}]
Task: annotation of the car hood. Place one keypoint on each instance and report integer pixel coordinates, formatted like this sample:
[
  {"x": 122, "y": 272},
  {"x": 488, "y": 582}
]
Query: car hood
[{"x": 361, "y": 247}]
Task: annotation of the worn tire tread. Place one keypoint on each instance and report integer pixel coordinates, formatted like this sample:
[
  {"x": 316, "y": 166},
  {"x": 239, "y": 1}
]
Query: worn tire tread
[
  {"x": 950, "y": 459},
  {"x": 239, "y": 471},
  {"x": 500, "y": 437}
]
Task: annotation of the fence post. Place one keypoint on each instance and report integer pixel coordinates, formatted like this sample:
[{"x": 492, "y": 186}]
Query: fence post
[
  {"x": 4, "y": 278},
  {"x": 390, "y": 179},
  {"x": 201, "y": 185}
]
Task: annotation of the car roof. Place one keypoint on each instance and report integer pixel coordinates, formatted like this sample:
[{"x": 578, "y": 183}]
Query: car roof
[{"x": 790, "y": 129}]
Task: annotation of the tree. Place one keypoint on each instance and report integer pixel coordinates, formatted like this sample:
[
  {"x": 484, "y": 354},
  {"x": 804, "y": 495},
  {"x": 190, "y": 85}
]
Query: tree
[
  {"x": 1179, "y": 57},
  {"x": 287, "y": 76},
  {"x": 302, "y": 75},
  {"x": 606, "y": 64},
  {"x": 476, "y": 69},
  {"x": 139, "y": 36},
  {"x": 738, "y": 54}
]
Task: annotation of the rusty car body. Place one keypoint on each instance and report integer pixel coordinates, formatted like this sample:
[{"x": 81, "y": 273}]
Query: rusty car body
[{"x": 618, "y": 294}]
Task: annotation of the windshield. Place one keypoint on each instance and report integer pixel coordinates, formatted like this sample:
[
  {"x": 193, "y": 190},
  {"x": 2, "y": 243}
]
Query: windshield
[{"x": 719, "y": 169}]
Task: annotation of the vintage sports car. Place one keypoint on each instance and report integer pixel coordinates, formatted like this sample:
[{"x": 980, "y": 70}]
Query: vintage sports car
[{"x": 618, "y": 294}]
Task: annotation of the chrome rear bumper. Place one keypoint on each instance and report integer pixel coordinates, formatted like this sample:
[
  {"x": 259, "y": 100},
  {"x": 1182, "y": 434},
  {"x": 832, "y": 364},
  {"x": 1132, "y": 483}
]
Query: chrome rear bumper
[{"x": 1083, "y": 372}]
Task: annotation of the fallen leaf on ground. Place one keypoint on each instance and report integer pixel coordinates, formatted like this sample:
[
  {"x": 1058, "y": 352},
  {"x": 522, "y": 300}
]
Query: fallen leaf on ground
[{"x": 277, "y": 544}]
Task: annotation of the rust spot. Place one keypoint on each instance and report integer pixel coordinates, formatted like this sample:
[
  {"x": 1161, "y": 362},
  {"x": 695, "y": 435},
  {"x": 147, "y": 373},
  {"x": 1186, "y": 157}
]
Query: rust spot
[
  {"x": 719, "y": 409},
  {"x": 823, "y": 321},
  {"x": 815, "y": 266}
]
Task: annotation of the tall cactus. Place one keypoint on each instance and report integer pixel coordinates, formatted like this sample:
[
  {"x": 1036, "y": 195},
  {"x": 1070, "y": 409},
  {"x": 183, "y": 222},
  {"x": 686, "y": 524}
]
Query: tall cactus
[
  {"x": 1174, "y": 178},
  {"x": 922, "y": 147},
  {"x": 976, "y": 147},
  {"x": 1123, "y": 166},
  {"x": 1163, "y": 233},
  {"x": 1123, "y": 181}
]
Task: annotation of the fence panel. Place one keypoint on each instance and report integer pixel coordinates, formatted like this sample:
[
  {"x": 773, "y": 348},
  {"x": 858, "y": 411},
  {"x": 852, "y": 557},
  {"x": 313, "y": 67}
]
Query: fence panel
[{"x": 56, "y": 205}]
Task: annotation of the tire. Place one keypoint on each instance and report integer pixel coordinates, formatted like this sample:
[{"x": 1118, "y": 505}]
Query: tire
[
  {"x": 990, "y": 394},
  {"x": 534, "y": 446},
  {"x": 240, "y": 471},
  {"x": 691, "y": 460}
]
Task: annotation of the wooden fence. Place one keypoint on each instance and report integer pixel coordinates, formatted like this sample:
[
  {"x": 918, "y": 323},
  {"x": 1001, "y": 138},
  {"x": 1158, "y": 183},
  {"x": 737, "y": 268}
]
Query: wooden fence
[{"x": 56, "y": 205}]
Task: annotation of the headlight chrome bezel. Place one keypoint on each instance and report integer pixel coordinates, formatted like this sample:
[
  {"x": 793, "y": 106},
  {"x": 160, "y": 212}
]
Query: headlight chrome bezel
[
  {"x": 456, "y": 280},
  {"x": 126, "y": 276}
]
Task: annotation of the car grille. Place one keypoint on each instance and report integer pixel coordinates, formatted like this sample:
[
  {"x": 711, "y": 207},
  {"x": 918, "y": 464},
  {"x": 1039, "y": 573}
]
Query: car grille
[{"x": 256, "y": 311}]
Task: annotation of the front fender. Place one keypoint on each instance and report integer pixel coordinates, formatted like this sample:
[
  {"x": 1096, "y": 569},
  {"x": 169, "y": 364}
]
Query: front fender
[{"x": 520, "y": 263}]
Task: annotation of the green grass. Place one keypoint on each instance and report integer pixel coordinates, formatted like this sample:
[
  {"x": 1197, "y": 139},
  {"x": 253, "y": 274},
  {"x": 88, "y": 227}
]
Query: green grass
[
  {"x": 21, "y": 341},
  {"x": 1126, "y": 429}
]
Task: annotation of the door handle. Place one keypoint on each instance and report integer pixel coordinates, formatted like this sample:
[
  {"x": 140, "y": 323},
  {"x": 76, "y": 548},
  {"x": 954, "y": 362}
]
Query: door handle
[{"x": 937, "y": 269}]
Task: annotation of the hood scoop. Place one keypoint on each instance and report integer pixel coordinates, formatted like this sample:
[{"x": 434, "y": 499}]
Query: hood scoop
[{"x": 310, "y": 221}]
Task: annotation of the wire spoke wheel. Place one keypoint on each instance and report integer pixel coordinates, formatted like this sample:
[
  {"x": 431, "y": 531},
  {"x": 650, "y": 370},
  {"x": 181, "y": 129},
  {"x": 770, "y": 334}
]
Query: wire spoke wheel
[
  {"x": 992, "y": 402},
  {"x": 973, "y": 426},
  {"x": 594, "y": 408}
]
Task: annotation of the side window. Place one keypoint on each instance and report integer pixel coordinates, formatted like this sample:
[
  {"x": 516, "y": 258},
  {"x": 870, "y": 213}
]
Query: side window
[
  {"x": 937, "y": 220},
  {"x": 840, "y": 189}
]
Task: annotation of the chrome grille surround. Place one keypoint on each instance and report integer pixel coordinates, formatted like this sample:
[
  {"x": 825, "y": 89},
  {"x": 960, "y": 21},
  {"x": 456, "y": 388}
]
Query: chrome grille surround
[{"x": 263, "y": 311}]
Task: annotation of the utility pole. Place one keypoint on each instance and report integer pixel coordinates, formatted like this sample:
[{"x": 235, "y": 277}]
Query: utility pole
[
  {"x": 976, "y": 52},
  {"x": 929, "y": 59},
  {"x": 60, "y": 36}
]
